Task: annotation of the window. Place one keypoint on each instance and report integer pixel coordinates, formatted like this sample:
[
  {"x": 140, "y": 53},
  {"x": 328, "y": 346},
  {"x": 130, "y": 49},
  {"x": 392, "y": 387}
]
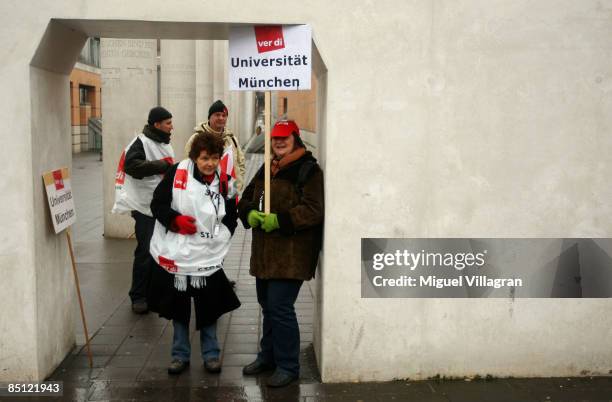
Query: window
[
  {"x": 83, "y": 95},
  {"x": 90, "y": 54},
  {"x": 94, "y": 52}
]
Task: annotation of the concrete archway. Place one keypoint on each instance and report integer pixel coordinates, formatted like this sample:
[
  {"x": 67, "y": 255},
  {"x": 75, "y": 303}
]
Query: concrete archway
[{"x": 50, "y": 294}]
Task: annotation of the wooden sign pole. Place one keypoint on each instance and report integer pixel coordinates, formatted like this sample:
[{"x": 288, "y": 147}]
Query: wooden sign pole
[
  {"x": 78, "y": 289},
  {"x": 267, "y": 153}
]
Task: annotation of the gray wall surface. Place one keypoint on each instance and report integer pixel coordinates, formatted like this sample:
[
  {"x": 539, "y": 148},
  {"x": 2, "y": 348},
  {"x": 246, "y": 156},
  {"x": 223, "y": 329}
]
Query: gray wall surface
[{"x": 129, "y": 84}]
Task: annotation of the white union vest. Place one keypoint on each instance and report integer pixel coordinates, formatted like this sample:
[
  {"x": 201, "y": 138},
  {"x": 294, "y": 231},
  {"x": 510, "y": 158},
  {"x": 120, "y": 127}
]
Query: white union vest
[
  {"x": 136, "y": 194},
  {"x": 202, "y": 253}
]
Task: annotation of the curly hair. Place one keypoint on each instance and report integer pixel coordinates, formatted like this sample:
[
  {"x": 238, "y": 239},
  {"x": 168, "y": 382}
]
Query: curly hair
[{"x": 211, "y": 143}]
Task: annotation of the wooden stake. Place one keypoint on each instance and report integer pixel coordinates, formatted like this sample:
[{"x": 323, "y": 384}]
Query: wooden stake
[
  {"x": 267, "y": 154},
  {"x": 78, "y": 289}
]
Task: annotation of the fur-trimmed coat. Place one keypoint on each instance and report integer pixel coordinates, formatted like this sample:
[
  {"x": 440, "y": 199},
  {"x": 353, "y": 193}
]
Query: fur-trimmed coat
[{"x": 292, "y": 251}]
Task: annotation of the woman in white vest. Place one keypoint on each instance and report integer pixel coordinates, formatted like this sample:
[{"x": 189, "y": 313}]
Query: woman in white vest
[{"x": 195, "y": 209}]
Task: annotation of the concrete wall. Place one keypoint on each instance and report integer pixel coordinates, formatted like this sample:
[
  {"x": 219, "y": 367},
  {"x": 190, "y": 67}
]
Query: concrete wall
[
  {"x": 470, "y": 119},
  {"x": 129, "y": 85},
  {"x": 204, "y": 78},
  {"x": 478, "y": 119},
  {"x": 18, "y": 326},
  {"x": 178, "y": 89},
  {"x": 18, "y": 359},
  {"x": 54, "y": 281},
  {"x": 36, "y": 329}
]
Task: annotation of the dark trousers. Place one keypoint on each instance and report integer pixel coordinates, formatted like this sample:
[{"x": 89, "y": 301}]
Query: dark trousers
[
  {"x": 280, "y": 340},
  {"x": 143, "y": 262}
]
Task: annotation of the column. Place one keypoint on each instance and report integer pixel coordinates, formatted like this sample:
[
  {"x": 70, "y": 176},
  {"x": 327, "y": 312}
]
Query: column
[
  {"x": 129, "y": 84},
  {"x": 204, "y": 78},
  {"x": 178, "y": 94}
]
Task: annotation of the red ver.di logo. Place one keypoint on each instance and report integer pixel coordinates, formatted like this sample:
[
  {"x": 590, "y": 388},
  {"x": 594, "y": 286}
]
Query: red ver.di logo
[
  {"x": 180, "y": 179},
  {"x": 269, "y": 37},
  {"x": 59, "y": 181},
  {"x": 120, "y": 176}
]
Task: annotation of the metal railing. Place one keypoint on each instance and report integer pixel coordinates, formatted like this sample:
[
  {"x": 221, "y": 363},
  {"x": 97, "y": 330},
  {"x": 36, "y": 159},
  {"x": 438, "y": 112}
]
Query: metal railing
[{"x": 94, "y": 128}]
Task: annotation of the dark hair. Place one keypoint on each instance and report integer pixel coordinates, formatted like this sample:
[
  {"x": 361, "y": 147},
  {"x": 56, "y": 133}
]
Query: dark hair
[
  {"x": 298, "y": 140},
  {"x": 211, "y": 143}
]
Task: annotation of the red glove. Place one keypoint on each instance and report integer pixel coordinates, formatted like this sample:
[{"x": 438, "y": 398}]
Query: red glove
[
  {"x": 169, "y": 162},
  {"x": 184, "y": 224}
]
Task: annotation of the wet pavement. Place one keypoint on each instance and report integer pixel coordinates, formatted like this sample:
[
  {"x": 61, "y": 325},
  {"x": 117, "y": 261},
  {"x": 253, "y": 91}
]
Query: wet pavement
[{"x": 131, "y": 352}]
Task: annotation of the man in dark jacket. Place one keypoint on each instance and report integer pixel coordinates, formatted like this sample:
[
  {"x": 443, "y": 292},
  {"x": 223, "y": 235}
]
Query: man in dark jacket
[{"x": 146, "y": 160}]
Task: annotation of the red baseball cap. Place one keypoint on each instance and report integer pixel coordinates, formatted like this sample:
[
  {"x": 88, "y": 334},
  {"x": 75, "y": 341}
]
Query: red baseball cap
[{"x": 284, "y": 128}]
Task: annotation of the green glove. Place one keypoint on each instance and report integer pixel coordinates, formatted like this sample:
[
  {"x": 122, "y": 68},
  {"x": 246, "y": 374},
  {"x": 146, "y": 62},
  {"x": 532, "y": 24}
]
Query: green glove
[
  {"x": 255, "y": 218},
  {"x": 270, "y": 223}
]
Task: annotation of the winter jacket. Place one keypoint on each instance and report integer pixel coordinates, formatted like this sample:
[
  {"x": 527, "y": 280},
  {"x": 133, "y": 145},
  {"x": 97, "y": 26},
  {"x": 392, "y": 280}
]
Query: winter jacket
[
  {"x": 136, "y": 163},
  {"x": 292, "y": 251}
]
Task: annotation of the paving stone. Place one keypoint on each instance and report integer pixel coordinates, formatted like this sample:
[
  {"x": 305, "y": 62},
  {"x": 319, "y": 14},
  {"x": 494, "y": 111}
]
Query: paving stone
[
  {"x": 107, "y": 339},
  {"x": 119, "y": 373},
  {"x": 135, "y": 349},
  {"x": 83, "y": 361},
  {"x": 238, "y": 359},
  {"x": 98, "y": 350},
  {"x": 127, "y": 361},
  {"x": 242, "y": 348},
  {"x": 114, "y": 329}
]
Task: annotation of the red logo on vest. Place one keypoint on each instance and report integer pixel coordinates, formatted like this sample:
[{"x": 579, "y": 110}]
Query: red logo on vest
[
  {"x": 269, "y": 37},
  {"x": 59, "y": 181},
  {"x": 120, "y": 176},
  {"x": 167, "y": 264},
  {"x": 180, "y": 179}
]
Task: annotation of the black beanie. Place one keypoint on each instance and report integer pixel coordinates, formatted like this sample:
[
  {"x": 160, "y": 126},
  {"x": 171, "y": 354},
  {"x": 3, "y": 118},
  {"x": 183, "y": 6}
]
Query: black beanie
[
  {"x": 218, "y": 106},
  {"x": 158, "y": 114}
]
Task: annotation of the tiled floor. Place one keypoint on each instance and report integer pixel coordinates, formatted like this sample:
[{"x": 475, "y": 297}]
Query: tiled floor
[{"x": 131, "y": 352}]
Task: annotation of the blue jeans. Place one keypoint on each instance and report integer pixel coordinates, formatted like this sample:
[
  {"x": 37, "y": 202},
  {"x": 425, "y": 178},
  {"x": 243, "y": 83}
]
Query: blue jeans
[
  {"x": 280, "y": 340},
  {"x": 181, "y": 347}
]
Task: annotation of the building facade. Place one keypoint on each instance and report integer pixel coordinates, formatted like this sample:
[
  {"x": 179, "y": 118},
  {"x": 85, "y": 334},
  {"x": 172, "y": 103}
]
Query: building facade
[{"x": 86, "y": 97}]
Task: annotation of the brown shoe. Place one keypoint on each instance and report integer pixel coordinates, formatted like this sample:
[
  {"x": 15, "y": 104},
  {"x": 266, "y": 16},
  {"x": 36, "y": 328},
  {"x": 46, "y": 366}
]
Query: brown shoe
[
  {"x": 177, "y": 366},
  {"x": 213, "y": 365}
]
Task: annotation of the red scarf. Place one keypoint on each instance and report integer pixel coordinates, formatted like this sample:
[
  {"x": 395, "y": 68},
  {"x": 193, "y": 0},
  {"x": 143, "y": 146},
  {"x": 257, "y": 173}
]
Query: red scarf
[{"x": 278, "y": 164}]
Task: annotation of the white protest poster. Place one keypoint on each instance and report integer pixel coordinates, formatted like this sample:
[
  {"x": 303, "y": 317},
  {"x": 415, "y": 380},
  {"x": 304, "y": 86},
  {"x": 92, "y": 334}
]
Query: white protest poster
[
  {"x": 63, "y": 215},
  {"x": 270, "y": 57},
  {"x": 59, "y": 196}
]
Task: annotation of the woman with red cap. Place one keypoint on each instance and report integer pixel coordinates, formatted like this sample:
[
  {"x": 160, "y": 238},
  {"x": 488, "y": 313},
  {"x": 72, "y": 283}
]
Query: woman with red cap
[{"x": 285, "y": 248}]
